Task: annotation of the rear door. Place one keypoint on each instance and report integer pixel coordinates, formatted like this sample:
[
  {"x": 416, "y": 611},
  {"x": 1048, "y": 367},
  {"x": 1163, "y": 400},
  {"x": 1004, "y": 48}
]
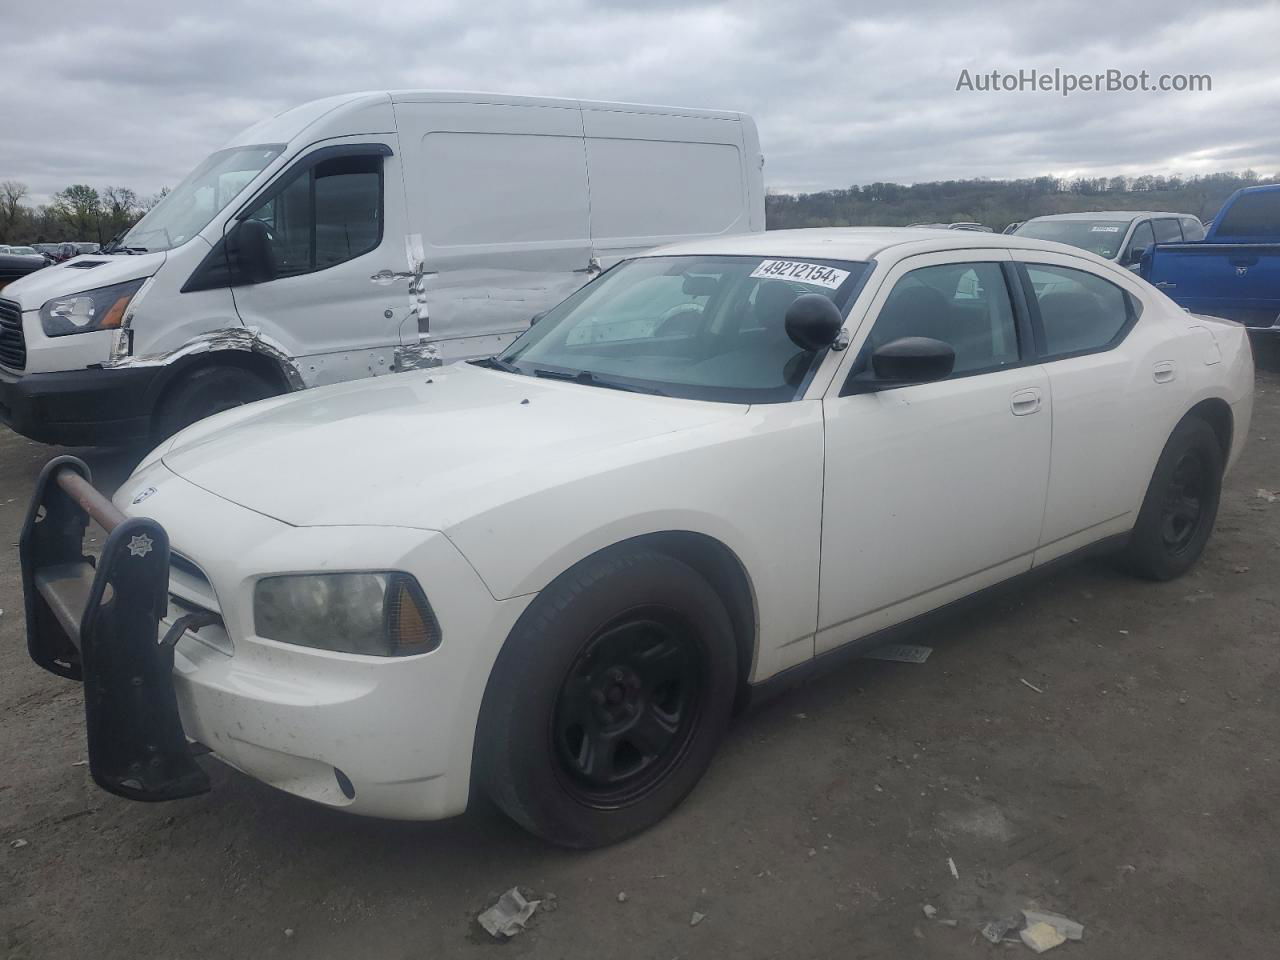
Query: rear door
[
  {"x": 935, "y": 490},
  {"x": 1110, "y": 378},
  {"x": 658, "y": 178}
]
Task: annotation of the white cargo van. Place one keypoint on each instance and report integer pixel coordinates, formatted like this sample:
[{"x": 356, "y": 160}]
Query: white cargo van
[{"x": 355, "y": 236}]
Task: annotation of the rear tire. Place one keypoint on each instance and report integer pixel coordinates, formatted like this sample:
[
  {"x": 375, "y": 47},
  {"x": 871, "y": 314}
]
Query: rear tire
[
  {"x": 1181, "y": 504},
  {"x": 608, "y": 700},
  {"x": 205, "y": 392}
]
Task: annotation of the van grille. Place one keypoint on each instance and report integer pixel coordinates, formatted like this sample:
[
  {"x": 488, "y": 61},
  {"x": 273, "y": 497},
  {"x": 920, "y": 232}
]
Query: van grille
[{"x": 13, "y": 345}]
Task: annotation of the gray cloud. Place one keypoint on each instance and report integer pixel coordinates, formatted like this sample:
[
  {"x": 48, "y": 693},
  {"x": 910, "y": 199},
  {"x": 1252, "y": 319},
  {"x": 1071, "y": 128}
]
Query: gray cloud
[{"x": 135, "y": 92}]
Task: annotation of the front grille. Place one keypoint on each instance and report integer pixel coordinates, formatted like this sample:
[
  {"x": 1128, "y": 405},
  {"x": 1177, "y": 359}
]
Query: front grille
[{"x": 13, "y": 345}]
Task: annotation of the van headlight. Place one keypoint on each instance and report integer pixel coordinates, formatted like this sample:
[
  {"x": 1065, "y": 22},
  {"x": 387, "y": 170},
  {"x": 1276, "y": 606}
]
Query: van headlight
[
  {"x": 377, "y": 614},
  {"x": 101, "y": 309}
]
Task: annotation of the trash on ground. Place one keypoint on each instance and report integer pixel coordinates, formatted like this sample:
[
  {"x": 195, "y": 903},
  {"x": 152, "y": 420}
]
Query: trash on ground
[
  {"x": 955, "y": 874},
  {"x": 18, "y": 844},
  {"x": 1028, "y": 683},
  {"x": 1240, "y": 569},
  {"x": 1068, "y": 928},
  {"x": 697, "y": 918},
  {"x": 509, "y": 915},
  {"x": 288, "y": 931},
  {"x": 997, "y": 930},
  {"x": 1271, "y": 496},
  {"x": 900, "y": 653},
  {"x": 930, "y": 911},
  {"x": 622, "y": 897},
  {"x": 1041, "y": 937}
]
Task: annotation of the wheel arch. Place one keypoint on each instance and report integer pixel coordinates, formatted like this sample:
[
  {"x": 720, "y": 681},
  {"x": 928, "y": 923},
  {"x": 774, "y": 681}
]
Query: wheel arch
[
  {"x": 257, "y": 362},
  {"x": 1216, "y": 412}
]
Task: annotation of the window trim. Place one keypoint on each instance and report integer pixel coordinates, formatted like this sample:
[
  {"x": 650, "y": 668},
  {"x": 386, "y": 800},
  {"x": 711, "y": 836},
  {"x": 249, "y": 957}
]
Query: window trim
[
  {"x": 1133, "y": 312},
  {"x": 1028, "y": 351}
]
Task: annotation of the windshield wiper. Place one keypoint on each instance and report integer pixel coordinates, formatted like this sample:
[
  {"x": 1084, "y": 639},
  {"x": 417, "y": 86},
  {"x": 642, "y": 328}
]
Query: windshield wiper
[
  {"x": 590, "y": 379},
  {"x": 496, "y": 363}
]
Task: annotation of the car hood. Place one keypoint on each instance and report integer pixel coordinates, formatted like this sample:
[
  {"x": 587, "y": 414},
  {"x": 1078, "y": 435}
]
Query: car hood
[
  {"x": 86, "y": 272},
  {"x": 423, "y": 449}
]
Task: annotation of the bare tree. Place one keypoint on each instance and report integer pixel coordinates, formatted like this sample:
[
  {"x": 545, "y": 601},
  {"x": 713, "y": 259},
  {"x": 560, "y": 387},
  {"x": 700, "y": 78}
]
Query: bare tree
[{"x": 12, "y": 193}]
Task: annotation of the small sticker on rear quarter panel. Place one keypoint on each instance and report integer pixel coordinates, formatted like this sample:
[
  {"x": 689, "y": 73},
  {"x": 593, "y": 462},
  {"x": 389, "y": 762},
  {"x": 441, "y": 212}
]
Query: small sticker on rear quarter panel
[{"x": 815, "y": 273}]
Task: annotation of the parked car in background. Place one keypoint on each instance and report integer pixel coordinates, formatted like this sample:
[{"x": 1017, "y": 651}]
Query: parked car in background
[
  {"x": 1234, "y": 271},
  {"x": 15, "y": 266},
  {"x": 1121, "y": 236},
  {"x": 542, "y": 576},
  {"x": 961, "y": 225},
  {"x": 22, "y": 251},
  {"x": 362, "y": 234}
]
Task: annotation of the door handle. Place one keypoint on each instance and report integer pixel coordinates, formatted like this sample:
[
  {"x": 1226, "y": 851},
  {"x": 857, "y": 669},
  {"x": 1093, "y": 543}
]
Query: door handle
[
  {"x": 1025, "y": 402},
  {"x": 1164, "y": 371},
  {"x": 1165, "y": 285}
]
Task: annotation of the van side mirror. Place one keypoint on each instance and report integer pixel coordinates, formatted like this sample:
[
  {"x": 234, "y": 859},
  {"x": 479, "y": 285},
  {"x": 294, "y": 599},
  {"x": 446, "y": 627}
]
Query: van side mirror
[
  {"x": 813, "y": 322},
  {"x": 249, "y": 251},
  {"x": 913, "y": 360}
]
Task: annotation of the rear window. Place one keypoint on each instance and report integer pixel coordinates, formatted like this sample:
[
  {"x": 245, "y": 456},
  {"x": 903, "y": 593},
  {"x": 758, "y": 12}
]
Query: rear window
[
  {"x": 1102, "y": 237},
  {"x": 1252, "y": 215}
]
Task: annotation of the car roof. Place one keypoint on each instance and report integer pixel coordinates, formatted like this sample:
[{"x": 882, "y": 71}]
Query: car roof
[
  {"x": 1107, "y": 215},
  {"x": 857, "y": 243}
]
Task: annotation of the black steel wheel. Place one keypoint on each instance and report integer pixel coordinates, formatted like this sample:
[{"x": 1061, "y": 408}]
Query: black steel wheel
[
  {"x": 1181, "y": 504},
  {"x": 608, "y": 700},
  {"x": 628, "y": 707}
]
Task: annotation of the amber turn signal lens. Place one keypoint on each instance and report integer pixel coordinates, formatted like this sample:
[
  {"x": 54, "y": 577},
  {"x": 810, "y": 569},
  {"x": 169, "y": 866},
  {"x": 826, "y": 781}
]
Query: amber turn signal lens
[
  {"x": 412, "y": 626},
  {"x": 115, "y": 316}
]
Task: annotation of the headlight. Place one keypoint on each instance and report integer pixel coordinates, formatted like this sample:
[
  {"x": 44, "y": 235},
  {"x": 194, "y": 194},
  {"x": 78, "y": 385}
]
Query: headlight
[
  {"x": 379, "y": 614},
  {"x": 101, "y": 309}
]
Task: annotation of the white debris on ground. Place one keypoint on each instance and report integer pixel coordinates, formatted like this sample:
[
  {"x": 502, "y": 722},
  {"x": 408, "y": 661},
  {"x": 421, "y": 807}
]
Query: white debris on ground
[
  {"x": 1271, "y": 496},
  {"x": 955, "y": 874},
  {"x": 1036, "y": 929},
  {"x": 1041, "y": 937},
  {"x": 697, "y": 918},
  {"x": 509, "y": 915}
]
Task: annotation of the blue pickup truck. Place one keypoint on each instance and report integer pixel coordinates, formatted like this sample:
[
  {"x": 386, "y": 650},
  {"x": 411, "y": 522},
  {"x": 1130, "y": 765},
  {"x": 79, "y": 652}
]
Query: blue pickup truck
[{"x": 1234, "y": 272}]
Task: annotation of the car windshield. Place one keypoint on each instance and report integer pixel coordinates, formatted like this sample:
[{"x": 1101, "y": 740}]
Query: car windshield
[
  {"x": 1102, "y": 237},
  {"x": 189, "y": 207},
  {"x": 700, "y": 327}
]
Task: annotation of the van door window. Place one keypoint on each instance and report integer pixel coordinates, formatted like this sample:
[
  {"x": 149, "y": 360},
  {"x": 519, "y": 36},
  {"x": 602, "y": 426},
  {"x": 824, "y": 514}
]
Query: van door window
[
  {"x": 1168, "y": 231},
  {"x": 328, "y": 214}
]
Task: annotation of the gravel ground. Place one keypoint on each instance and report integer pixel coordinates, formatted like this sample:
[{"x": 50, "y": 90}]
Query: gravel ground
[{"x": 1136, "y": 791}]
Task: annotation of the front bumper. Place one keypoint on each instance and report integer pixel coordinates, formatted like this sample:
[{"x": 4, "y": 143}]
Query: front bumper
[
  {"x": 78, "y": 407},
  {"x": 370, "y": 735}
]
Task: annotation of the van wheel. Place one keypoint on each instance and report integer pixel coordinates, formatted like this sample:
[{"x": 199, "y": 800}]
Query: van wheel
[
  {"x": 608, "y": 700},
  {"x": 205, "y": 392},
  {"x": 1181, "y": 504}
]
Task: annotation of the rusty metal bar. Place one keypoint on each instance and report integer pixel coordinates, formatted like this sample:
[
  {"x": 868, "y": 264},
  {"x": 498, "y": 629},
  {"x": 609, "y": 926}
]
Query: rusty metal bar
[{"x": 90, "y": 500}]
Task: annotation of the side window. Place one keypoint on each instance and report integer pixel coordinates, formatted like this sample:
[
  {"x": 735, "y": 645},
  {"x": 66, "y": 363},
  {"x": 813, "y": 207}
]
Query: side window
[
  {"x": 327, "y": 214},
  {"x": 1168, "y": 231},
  {"x": 1143, "y": 237},
  {"x": 1192, "y": 229},
  {"x": 964, "y": 304},
  {"x": 1079, "y": 312}
]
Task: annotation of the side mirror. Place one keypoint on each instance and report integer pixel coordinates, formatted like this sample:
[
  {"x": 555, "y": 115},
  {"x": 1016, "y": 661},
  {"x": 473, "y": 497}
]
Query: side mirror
[
  {"x": 813, "y": 322},
  {"x": 250, "y": 254},
  {"x": 536, "y": 317},
  {"x": 913, "y": 360},
  {"x": 1135, "y": 254}
]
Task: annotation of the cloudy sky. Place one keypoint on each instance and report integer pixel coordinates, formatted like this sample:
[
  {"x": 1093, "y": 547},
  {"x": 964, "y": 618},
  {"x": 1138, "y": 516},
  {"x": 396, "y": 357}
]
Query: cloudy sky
[{"x": 135, "y": 92}]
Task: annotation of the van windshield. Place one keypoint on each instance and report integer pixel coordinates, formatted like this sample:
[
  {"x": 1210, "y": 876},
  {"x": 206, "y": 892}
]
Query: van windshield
[
  {"x": 1102, "y": 237},
  {"x": 700, "y": 327},
  {"x": 188, "y": 208}
]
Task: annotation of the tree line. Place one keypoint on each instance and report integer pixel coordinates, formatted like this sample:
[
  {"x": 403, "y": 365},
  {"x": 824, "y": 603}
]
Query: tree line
[
  {"x": 78, "y": 213},
  {"x": 997, "y": 203}
]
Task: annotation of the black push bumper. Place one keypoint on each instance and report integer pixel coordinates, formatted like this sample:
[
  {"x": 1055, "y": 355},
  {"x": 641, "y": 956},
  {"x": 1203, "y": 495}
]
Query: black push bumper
[
  {"x": 79, "y": 407},
  {"x": 99, "y": 622}
]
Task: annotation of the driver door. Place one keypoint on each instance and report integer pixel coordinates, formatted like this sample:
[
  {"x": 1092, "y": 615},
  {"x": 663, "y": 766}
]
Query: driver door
[
  {"x": 336, "y": 222},
  {"x": 932, "y": 490}
]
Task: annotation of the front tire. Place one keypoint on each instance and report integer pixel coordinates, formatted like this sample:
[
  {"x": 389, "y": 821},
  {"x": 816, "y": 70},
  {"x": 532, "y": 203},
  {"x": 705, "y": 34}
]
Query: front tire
[
  {"x": 608, "y": 700},
  {"x": 1181, "y": 504},
  {"x": 207, "y": 391}
]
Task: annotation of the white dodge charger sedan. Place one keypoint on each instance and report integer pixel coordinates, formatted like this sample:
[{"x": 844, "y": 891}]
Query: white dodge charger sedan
[{"x": 554, "y": 574}]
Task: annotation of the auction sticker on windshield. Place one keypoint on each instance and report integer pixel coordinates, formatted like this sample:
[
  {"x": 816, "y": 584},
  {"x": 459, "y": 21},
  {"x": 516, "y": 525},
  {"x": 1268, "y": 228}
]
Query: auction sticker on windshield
[{"x": 815, "y": 273}]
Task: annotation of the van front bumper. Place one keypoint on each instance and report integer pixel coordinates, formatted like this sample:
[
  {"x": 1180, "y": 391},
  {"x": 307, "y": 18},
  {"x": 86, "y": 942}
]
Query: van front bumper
[{"x": 78, "y": 407}]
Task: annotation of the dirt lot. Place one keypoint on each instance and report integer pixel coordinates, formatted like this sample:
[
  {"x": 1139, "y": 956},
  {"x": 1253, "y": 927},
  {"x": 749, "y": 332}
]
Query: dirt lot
[{"x": 1137, "y": 793}]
